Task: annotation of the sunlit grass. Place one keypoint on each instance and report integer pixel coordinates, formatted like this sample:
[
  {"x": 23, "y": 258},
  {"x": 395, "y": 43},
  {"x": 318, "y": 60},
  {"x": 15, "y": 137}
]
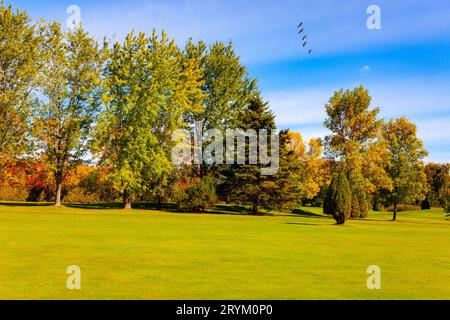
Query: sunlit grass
[{"x": 145, "y": 254}]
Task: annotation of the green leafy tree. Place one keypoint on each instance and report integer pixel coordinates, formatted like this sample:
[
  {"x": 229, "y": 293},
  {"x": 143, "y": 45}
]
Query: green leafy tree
[
  {"x": 406, "y": 154},
  {"x": 226, "y": 87},
  {"x": 149, "y": 88},
  {"x": 438, "y": 182},
  {"x": 355, "y": 142},
  {"x": 20, "y": 61},
  {"x": 69, "y": 90}
]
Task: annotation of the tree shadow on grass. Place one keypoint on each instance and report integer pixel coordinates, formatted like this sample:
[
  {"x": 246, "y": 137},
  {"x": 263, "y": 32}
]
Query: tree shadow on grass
[
  {"x": 229, "y": 209},
  {"x": 25, "y": 204},
  {"x": 308, "y": 214},
  {"x": 167, "y": 207},
  {"x": 308, "y": 224}
]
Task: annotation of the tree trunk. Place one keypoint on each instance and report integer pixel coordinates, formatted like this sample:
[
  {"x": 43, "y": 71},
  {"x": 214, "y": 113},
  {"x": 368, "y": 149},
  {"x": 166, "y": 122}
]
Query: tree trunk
[
  {"x": 126, "y": 200},
  {"x": 58, "y": 192},
  {"x": 255, "y": 209},
  {"x": 395, "y": 212},
  {"x": 158, "y": 202}
]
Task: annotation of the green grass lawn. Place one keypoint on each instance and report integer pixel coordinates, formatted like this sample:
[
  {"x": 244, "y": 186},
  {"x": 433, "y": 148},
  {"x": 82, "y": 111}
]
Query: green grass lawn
[{"x": 144, "y": 254}]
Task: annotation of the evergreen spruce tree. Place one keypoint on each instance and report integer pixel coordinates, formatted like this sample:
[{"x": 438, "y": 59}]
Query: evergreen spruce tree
[{"x": 246, "y": 185}]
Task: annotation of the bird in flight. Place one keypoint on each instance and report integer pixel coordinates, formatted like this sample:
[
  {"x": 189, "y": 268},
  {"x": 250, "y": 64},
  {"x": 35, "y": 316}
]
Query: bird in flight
[{"x": 304, "y": 38}]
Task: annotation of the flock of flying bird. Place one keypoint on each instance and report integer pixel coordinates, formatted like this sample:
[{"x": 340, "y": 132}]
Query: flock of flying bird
[{"x": 305, "y": 37}]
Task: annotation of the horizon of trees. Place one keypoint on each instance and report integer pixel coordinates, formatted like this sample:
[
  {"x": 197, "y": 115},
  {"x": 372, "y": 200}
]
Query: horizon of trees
[{"x": 89, "y": 122}]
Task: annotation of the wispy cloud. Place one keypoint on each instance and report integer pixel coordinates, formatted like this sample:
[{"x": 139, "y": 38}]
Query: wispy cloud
[
  {"x": 263, "y": 30},
  {"x": 426, "y": 105}
]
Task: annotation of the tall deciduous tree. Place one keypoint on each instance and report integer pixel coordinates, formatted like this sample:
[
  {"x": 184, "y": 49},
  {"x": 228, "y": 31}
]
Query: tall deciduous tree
[
  {"x": 355, "y": 141},
  {"x": 226, "y": 87},
  {"x": 314, "y": 172},
  {"x": 405, "y": 168},
  {"x": 19, "y": 65},
  {"x": 149, "y": 87},
  {"x": 69, "y": 99}
]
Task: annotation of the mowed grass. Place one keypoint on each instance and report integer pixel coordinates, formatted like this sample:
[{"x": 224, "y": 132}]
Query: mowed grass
[{"x": 144, "y": 254}]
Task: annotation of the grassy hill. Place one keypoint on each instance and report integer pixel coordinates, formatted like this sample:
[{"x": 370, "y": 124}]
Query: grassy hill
[{"x": 145, "y": 254}]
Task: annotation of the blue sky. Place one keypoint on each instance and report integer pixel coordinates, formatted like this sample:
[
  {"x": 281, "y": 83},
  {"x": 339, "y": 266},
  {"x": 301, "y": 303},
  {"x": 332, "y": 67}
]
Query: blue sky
[{"x": 405, "y": 65}]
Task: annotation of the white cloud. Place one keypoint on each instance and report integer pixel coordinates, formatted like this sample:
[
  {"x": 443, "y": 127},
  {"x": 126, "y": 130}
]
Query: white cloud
[
  {"x": 434, "y": 131},
  {"x": 428, "y": 105},
  {"x": 366, "y": 68},
  {"x": 297, "y": 107},
  {"x": 412, "y": 97}
]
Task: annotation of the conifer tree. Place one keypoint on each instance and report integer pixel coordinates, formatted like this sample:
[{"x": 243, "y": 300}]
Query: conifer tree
[
  {"x": 342, "y": 200},
  {"x": 328, "y": 204},
  {"x": 246, "y": 185}
]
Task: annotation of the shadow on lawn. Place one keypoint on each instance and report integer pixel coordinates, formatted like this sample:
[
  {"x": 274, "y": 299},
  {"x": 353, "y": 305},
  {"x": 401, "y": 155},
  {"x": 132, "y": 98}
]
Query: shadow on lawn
[
  {"x": 108, "y": 206},
  {"x": 25, "y": 204},
  {"x": 308, "y": 224},
  {"x": 227, "y": 209},
  {"x": 308, "y": 214}
]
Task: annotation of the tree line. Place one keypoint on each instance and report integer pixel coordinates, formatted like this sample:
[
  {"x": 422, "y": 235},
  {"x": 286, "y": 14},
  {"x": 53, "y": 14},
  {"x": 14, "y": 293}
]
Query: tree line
[{"x": 94, "y": 122}]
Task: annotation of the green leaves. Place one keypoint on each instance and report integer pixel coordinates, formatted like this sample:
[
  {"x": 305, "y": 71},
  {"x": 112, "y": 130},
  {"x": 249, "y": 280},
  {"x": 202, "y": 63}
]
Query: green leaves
[
  {"x": 405, "y": 168},
  {"x": 150, "y": 86},
  {"x": 69, "y": 97},
  {"x": 338, "y": 200},
  {"x": 356, "y": 142},
  {"x": 19, "y": 65}
]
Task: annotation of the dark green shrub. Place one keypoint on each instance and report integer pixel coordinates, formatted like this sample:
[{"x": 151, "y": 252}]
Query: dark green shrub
[
  {"x": 364, "y": 204},
  {"x": 197, "y": 197},
  {"x": 338, "y": 199},
  {"x": 448, "y": 208},
  {"x": 356, "y": 211},
  {"x": 328, "y": 204},
  {"x": 342, "y": 200},
  {"x": 426, "y": 204}
]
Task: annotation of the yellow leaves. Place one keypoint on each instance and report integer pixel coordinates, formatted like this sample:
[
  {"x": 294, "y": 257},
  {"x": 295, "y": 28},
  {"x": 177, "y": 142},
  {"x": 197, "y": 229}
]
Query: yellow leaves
[
  {"x": 297, "y": 145},
  {"x": 315, "y": 172}
]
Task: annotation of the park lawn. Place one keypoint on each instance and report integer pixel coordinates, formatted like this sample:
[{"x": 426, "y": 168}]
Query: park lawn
[{"x": 144, "y": 254}]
